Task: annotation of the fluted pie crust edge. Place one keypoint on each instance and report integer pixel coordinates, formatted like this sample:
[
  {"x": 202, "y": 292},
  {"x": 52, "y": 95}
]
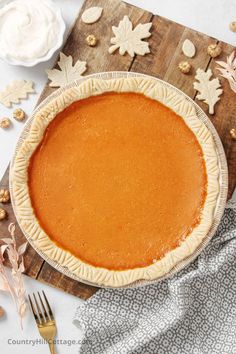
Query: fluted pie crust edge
[{"x": 25, "y": 214}]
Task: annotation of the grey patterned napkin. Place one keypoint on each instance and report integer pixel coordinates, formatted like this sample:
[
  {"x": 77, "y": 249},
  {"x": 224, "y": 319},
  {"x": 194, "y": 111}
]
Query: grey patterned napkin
[{"x": 192, "y": 312}]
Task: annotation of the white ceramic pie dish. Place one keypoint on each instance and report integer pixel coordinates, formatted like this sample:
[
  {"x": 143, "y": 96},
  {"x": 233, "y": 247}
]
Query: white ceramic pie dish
[
  {"x": 49, "y": 54},
  {"x": 222, "y": 179}
]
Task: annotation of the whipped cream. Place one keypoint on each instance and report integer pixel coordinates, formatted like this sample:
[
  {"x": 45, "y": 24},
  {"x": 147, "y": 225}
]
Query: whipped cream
[{"x": 28, "y": 29}]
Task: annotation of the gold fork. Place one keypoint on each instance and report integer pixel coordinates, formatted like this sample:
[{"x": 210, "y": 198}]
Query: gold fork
[{"x": 44, "y": 319}]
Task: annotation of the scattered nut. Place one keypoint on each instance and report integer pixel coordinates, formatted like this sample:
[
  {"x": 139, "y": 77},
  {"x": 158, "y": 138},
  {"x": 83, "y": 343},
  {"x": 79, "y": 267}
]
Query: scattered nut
[
  {"x": 233, "y": 133},
  {"x": 4, "y": 196},
  {"x": 2, "y": 312},
  {"x": 3, "y": 214},
  {"x": 184, "y": 67},
  {"x": 232, "y": 26},
  {"x": 91, "y": 40},
  {"x": 5, "y": 123},
  {"x": 19, "y": 114},
  {"x": 214, "y": 50}
]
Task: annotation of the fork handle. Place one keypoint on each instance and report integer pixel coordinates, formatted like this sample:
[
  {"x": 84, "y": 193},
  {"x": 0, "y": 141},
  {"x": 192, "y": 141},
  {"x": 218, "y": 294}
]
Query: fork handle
[{"x": 52, "y": 348}]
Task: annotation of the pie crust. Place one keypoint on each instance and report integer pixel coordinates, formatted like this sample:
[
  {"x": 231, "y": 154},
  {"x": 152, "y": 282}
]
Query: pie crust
[{"x": 29, "y": 223}]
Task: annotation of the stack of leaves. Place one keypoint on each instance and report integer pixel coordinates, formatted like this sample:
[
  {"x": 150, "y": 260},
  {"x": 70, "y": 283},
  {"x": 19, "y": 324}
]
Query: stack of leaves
[{"x": 13, "y": 283}]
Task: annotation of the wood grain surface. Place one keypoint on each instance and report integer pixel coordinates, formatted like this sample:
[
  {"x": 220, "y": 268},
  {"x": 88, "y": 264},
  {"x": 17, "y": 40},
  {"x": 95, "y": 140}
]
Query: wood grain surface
[{"x": 165, "y": 43}]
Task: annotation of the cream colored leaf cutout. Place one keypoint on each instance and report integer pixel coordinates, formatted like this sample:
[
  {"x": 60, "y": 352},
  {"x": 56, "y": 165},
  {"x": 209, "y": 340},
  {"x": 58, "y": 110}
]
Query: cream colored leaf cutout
[
  {"x": 188, "y": 48},
  {"x": 16, "y": 91},
  {"x": 228, "y": 70},
  {"x": 67, "y": 72},
  {"x": 209, "y": 89},
  {"x": 92, "y": 14},
  {"x": 128, "y": 39}
]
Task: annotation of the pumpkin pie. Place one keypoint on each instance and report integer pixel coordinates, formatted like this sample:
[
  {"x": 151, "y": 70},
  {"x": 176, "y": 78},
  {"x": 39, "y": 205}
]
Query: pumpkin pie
[{"x": 117, "y": 180}]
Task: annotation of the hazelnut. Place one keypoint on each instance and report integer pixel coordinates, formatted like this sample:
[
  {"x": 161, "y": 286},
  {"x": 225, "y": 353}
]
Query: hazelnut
[
  {"x": 3, "y": 214},
  {"x": 5, "y": 123},
  {"x": 214, "y": 50},
  {"x": 19, "y": 114},
  {"x": 184, "y": 67},
  {"x": 232, "y": 26},
  {"x": 2, "y": 312},
  {"x": 91, "y": 40},
  {"x": 4, "y": 196},
  {"x": 233, "y": 133}
]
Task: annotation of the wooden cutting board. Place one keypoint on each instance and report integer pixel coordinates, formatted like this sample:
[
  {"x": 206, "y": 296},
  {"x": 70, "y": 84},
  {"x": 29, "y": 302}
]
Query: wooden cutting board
[{"x": 165, "y": 43}]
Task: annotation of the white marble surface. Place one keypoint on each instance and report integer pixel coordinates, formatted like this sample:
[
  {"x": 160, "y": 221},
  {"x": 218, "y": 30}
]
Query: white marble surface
[{"x": 211, "y": 17}]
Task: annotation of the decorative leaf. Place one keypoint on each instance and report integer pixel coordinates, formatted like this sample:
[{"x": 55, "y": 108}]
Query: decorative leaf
[
  {"x": 22, "y": 248},
  {"x": 209, "y": 90},
  {"x": 230, "y": 59},
  {"x": 128, "y": 39},
  {"x": 223, "y": 64},
  {"x": 188, "y": 48},
  {"x": 92, "y": 14},
  {"x": 14, "y": 284},
  {"x": 16, "y": 91},
  {"x": 229, "y": 70},
  {"x": 68, "y": 72}
]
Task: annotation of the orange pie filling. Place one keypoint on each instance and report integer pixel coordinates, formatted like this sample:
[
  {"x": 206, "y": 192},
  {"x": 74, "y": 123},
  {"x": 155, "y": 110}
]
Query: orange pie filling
[{"x": 118, "y": 180}]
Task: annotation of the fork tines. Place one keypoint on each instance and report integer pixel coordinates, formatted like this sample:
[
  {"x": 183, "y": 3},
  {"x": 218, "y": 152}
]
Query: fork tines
[{"x": 41, "y": 308}]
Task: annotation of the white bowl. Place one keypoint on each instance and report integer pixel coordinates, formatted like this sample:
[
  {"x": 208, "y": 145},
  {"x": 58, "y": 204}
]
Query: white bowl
[{"x": 50, "y": 53}]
